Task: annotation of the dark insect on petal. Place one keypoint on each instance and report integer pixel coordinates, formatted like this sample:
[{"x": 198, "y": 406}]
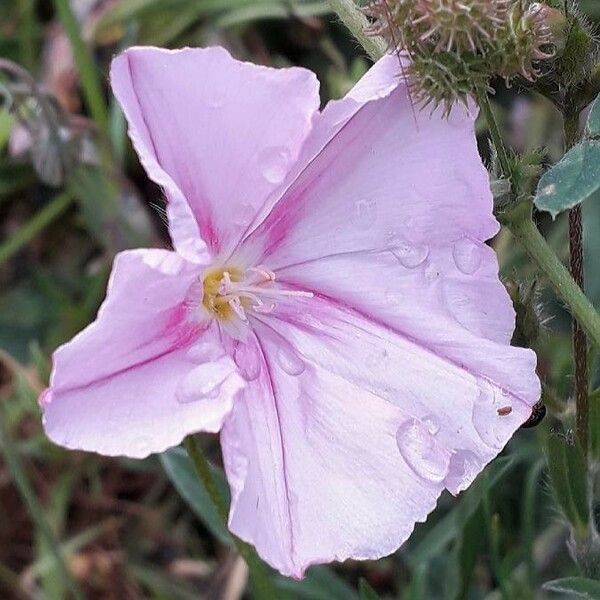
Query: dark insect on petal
[{"x": 538, "y": 413}]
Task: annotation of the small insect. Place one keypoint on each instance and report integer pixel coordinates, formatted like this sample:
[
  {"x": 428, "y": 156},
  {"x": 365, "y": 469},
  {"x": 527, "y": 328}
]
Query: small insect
[
  {"x": 538, "y": 413},
  {"x": 505, "y": 411}
]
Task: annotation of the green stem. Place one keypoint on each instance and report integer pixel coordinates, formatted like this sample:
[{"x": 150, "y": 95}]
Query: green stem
[
  {"x": 90, "y": 82},
  {"x": 34, "y": 226},
  {"x": 495, "y": 135},
  {"x": 263, "y": 585},
  {"x": 36, "y": 511},
  {"x": 538, "y": 249},
  {"x": 357, "y": 23}
]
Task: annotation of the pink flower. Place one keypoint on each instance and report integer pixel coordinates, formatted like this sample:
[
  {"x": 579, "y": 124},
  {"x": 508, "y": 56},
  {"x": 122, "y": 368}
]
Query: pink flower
[{"x": 330, "y": 307}]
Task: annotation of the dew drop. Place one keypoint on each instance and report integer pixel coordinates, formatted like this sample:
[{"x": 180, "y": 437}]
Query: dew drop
[
  {"x": 486, "y": 420},
  {"x": 464, "y": 466},
  {"x": 204, "y": 352},
  {"x": 248, "y": 360},
  {"x": 432, "y": 424},
  {"x": 432, "y": 273},
  {"x": 364, "y": 214},
  {"x": 273, "y": 163},
  {"x": 204, "y": 382},
  {"x": 410, "y": 256},
  {"x": 467, "y": 256},
  {"x": 421, "y": 452},
  {"x": 290, "y": 362}
]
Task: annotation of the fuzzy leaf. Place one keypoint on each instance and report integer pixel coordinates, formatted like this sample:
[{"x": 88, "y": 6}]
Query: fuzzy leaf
[
  {"x": 575, "y": 587},
  {"x": 571, "y": 181},
  {"x": 595, "y": 424},
  {"x": 569, "y": 479}
]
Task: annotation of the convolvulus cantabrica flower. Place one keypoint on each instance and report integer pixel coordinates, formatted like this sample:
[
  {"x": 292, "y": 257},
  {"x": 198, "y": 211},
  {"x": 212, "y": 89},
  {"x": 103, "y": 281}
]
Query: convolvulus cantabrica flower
[{"x": 330, "y": 305}]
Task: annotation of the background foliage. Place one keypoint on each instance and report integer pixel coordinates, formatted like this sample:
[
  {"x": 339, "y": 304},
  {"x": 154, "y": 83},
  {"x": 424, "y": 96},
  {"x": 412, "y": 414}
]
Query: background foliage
[{"x": 73, "y": 524}]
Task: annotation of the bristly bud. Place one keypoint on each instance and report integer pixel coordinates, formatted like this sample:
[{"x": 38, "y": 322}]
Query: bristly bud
[
  {"x": 442, "y": 25},
  {"x": 444, "y": 79},
  {"x": 524, "y": 40},
  {"x": 457, "y": 46}
]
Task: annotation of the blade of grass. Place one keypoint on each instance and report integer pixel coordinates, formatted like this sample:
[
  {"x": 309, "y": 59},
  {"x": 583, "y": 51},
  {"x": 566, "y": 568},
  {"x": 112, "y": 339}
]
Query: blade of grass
[
  {"x": 88, "y": 75},
  {"x": 34, "y": 226},
  {"x": 36, "y": 511}
]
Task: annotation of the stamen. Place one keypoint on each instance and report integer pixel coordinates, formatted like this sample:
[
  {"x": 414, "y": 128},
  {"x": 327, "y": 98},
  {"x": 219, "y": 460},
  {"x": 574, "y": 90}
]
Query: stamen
[{"x": 233, "y": 293}]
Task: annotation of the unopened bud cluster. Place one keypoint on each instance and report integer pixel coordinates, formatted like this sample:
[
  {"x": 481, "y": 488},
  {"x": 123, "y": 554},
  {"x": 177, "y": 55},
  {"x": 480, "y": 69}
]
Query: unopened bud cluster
[{"x": 456, "y": 46}]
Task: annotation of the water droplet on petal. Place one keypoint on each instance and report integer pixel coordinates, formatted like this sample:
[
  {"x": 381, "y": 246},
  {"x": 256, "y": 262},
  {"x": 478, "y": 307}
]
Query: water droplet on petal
[
  {"x": 464, "y": 467},
  {"x": 204, "y": 382},
  {"x": 273, "y": 163},
  {"x": 410, "y": 256},
  {"x": 248, "y": 360},
  {"x": 488, "y": 424},
  {"x": 204, "y": 352},
  {"x": 432, "y": 424},
  {"x": 290, "y": 362},
  {"x": 364, "y": 214},
  {"x": 467, "y": 256},
  {"x": 421, "y": 451},
  {"x": 432, "y": 273}
]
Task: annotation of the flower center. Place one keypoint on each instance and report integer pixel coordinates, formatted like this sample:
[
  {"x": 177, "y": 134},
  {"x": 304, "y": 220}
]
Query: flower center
[{"x": 230, "y": 292}]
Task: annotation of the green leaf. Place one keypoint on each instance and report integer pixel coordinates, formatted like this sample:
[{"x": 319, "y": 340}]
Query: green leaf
[
  {"x": 571, "y": 181},
  {"x": 593, "y": 122},
  {"x": 575, "y": 587},
  {"x": 466, "y": 552},
  {"x": 451, "y": 526},
  {"x": 595, "y": 424},
  {"x": 320, "y": 583},
  {"x": 180, "y": 471},
  {"x": 568, "y": 474},
  {"x": 366, "y": 592}
]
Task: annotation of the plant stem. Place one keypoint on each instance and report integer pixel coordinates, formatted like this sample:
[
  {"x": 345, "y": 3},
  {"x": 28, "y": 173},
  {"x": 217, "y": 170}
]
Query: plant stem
[
  {"x": 581, "y": 308},
  {"x": 90, "y": 82},
  {"x": 34, "y": 226},
  {"x": 580, "y": 358},
  {"x": 495, "y": 135},
  {"x": 357, "y": 23},
  {"x": 263, "y": 585},
  {"x": 36, "y": 511}
]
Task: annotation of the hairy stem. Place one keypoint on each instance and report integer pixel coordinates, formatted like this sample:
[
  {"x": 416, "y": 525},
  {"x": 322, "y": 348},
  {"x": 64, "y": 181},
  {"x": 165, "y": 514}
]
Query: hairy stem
[
  {"x": 263, "y": 585},
  {"x": 558, "y": 275},
  {"x": 495, "y": 135},
  {"x": 571, "y": 126},
  {"x": 357, "y": 23}
]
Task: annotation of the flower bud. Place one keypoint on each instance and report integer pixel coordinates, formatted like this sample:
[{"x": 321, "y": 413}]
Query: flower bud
[{"x": 524, "y": 41}]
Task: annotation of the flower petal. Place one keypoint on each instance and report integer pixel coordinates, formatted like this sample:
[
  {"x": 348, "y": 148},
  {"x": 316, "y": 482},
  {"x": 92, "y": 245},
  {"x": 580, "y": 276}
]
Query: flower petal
[
  {"x": 220, "y": 135},
  {"x": 120, "y": 386},
  {"x": 388, "y": 213},
  {"x": 350, "y": 434}
]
